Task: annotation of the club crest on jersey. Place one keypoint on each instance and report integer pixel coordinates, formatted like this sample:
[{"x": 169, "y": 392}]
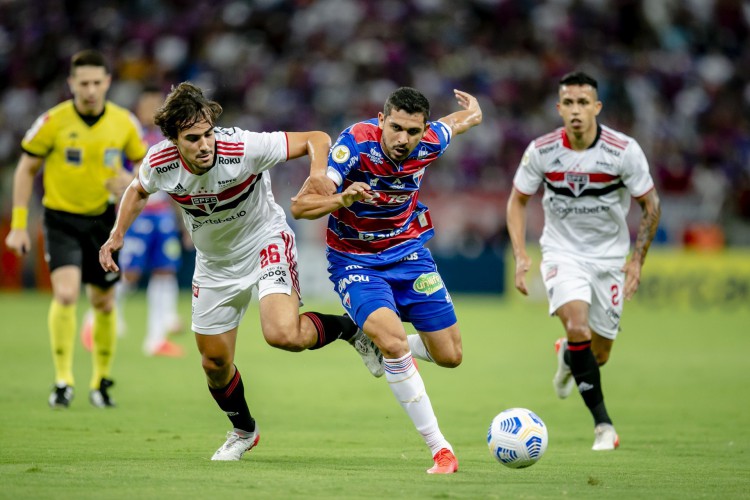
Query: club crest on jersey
[
  {"x": 418, "y": 177},
  {"x": 576, "y": 181},
  {"x": 205, "y": 203}
]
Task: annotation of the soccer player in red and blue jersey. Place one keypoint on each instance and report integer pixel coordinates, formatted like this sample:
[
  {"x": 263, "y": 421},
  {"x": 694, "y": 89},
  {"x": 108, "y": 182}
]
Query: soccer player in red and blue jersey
[{"x": 376, "y": 234}]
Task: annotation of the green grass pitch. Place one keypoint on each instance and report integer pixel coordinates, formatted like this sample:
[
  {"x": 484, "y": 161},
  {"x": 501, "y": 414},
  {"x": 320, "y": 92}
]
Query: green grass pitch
[{"x": 677, "y": 387}]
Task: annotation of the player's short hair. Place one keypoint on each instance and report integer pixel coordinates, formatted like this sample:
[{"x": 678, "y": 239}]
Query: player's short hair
[
  {"x": 184, "y": 107},
  {"x": 88, "y": 57},
  {"x": 578, "y": 78},
  {"x": 407, "y": 99}
]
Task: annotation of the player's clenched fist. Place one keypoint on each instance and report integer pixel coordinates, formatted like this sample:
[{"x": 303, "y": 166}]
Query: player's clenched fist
[{"x": 358, "y": 191}]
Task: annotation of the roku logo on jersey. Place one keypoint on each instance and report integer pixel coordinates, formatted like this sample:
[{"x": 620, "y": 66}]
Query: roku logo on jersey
[
  {"x": 166, "y": 168},
  {"x": 547, "y": 149},
  {"x": 609, "y": 150},
  {"x": 228, "y": 161}
]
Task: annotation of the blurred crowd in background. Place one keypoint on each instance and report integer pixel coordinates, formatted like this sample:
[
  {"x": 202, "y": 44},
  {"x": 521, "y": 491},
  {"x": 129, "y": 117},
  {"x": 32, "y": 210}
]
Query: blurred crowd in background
[{"x": 674, "y": 74}]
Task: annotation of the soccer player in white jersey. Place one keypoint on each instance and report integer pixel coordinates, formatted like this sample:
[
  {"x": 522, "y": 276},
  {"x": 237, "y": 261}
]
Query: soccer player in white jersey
[
  {"x": 589, "y": 172},
  {"x": 218, "y": 176}
]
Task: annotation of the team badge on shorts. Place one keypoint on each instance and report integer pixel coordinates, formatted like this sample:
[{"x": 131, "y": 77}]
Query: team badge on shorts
[
  {"x": 196, "y": 289},
  {"x": 428, "y": 283},
  {"x": 551, "y": 273}
]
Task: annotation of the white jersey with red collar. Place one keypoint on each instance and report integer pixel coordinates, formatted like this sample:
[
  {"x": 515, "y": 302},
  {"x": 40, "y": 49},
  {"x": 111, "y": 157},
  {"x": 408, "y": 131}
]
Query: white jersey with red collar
[
  {"x": 586, "y": 193},
  {"x": 230, "y": 209}
]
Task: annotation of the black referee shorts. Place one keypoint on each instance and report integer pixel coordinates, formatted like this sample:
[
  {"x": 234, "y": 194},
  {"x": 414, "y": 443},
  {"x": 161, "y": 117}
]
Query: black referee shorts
[{"x": 74, "y": 240}]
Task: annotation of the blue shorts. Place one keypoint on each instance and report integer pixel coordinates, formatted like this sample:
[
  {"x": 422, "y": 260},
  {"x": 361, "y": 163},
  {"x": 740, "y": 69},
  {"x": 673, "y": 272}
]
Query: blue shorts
[
  {"x": 411, "y": 287},
  {"x": 152, "y": 242}
]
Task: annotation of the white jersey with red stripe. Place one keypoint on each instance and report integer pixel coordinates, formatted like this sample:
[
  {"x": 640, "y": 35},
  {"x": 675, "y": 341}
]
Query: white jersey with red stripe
[
  {"x": 586, "y": 193},
  {"x": 159, "y": 202},
  {"x": 230, "y": 209}
]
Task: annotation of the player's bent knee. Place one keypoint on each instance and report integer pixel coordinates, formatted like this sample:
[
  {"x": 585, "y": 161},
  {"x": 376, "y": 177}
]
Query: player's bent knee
[
  {"x": 601, "y": 358},
  {"x": 451, "y": 359},
  {"x": 286, "y": 338},
  {"x": 214, "y": 365},
  {"x": 285, "y": 342},
  {"x": 577, "y": 332},
  {"x": 392, "y": 347}
]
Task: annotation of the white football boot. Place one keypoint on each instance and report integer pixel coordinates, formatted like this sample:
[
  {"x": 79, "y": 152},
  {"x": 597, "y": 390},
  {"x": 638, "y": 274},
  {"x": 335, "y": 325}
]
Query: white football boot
[
  {"x": 236, "y": 446},
  {"x": 370, "y": 353},
  {"x": 605, "y": 438}
]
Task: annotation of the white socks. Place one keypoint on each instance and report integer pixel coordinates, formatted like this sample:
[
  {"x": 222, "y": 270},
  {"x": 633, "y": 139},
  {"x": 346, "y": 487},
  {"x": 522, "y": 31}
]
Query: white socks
[
  {"x": 408, "y": 387},
  {"x": 418, "y": 349},
  {"x": 161, "y": 293}
]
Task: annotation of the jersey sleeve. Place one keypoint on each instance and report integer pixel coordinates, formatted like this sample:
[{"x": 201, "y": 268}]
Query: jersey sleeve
[
  {"x": 444, "y": 134},
  {"x": 136, "y": 146},
  {"x": 529, "y": 174},
  {"x": 636, "y": 175},
  {"x": 343, "y": 158},
  {"x": 265, "y": 149},
  {"x": 39, "y": 139},
  {"x": 146, "y": 177}
]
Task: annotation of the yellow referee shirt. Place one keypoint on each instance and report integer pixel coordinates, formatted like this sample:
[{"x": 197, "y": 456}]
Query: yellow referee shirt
[{"x": 80, "y": 158}]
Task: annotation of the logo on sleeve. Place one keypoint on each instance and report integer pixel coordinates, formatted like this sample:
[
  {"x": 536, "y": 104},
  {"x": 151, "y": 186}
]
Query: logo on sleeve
[
  {"x": 525, "y": 160},
  {"x": 340, "y": 154},
  {"x": 112, "y": 157}
]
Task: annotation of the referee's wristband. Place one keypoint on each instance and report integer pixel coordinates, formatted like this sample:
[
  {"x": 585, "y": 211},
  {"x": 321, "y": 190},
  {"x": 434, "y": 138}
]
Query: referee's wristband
[{"x": 19, "y": 218}]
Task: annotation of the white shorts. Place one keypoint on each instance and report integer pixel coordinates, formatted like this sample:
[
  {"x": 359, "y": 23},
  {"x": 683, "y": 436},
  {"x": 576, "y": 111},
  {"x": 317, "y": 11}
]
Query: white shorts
[
  {"x": 599, "y": 285},
  {"x": 222, "y": 290}
]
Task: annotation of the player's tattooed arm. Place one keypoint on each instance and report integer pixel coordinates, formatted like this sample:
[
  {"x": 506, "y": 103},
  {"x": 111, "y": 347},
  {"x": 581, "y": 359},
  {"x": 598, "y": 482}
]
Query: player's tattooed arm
[{"x": 651, "y": 211}]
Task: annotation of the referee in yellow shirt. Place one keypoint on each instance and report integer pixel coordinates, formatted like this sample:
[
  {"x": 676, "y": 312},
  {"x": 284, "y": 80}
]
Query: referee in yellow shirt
[{"x": 81, "y": 143}]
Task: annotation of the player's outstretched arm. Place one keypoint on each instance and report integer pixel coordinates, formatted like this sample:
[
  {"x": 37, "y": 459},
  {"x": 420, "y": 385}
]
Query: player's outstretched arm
[
  {"x": 308, "y": 204},
  {"x": 651, "y": 212},
  {"x": 316, "y": 145},
  {"x": 18, "y": 240},
  {"x": 131, "y": 205},
  {"x": 516, "y": 222},
  {"x": 463, "y": 120}
]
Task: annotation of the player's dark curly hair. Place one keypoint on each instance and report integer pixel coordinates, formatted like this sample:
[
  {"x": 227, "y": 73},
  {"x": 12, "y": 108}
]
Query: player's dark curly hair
[
  {"x": 407, "y": 99},
  {"x": 578, "y": 78},
  {"x": 184, "y": 107}
]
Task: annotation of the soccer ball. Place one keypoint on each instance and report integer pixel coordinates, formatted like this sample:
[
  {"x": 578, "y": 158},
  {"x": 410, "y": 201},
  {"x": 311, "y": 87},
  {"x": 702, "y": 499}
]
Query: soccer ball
[{"x": 517, "y": 438}]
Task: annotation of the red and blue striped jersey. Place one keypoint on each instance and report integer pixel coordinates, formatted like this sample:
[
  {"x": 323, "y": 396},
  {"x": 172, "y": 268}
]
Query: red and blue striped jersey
[{"x": 394, "y": 223}]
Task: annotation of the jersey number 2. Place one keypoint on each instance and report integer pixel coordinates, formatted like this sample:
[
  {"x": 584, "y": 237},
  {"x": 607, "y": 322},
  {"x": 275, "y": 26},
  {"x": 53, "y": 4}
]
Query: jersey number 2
[{"x": 615, "y": 295}]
